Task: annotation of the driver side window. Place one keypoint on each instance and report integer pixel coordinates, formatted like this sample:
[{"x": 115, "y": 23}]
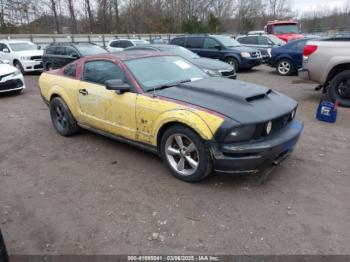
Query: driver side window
[{"x": 99, "y": 72}]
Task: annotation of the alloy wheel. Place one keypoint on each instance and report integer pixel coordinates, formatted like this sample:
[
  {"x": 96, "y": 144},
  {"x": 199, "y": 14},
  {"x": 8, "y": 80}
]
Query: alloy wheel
[
  {"x": 284, "y": 68},
  {"x": 182, "y": 154},
  {"x": 61, "y": 117},
  {"x": 344, "y": 88}
]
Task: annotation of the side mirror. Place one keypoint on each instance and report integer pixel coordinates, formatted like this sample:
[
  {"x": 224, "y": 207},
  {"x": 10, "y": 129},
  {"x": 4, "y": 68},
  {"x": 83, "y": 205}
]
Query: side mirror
[
  {"x": 117, "y": 85},
  {"x": 39, "y": 47},
  {"x": 6, "y": 50},
  {"x": 218, "y": 47},
  {"x": 75, "y": 56}
]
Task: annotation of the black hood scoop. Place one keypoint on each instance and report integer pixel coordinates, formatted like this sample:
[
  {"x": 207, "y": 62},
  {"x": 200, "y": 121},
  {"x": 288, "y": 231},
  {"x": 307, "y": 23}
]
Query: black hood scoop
[{"x": 241, "y": 101}]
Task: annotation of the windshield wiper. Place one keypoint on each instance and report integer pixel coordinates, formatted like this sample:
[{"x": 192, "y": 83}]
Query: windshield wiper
[{"x": 169, "y": 85}]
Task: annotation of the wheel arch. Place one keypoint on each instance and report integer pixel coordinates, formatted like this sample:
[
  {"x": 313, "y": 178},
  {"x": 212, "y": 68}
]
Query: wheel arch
[
  {"x": 335, "y": 71},
  {"x": 184, "y": 118}
]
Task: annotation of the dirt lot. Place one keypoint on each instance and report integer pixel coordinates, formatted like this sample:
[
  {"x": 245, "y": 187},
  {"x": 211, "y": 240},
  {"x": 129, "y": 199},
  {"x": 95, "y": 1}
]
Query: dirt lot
[{"x": 91, "y": 195}]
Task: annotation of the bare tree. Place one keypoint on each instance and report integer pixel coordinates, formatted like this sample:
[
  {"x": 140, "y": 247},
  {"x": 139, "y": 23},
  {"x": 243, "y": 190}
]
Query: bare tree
[{"x": 74, "y": 28}]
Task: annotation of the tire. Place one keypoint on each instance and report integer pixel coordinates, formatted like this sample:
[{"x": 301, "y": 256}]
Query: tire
[
  {"x": 285, "y": 67},
  {"x": 62, "y": 119},
  {"x": 232, "y": 61},
  {"x": 19, "y": 66},
  {"x": 185, "y": 154},
  {"x": 49, "y": 67},
  {"x": 339, "y": 89}
]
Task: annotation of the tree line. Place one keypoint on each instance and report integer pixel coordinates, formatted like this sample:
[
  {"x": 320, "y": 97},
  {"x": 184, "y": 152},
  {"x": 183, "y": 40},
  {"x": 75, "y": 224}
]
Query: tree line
[{"x": 151, "y": 16}]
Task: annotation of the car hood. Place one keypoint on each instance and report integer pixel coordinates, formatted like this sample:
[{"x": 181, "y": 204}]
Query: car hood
[
  {"x": 290, "y": 37},
  {"x": 30, "y": 53},
  {"x": 241, "y": 101},
  {"x": 243, "y": 48},
  {"x": 211, "y": 64},
  {"x": 7, "y": 69}
]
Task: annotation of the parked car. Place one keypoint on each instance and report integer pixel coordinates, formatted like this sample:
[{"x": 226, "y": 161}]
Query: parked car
[
  {"x": 221, "y": 47},
  {"x": 24, "y": 55},
  {"x": 165, "y": 104},
  {"x": 212, "y": 67},
  {"x": 11, "y": 78},
  {"x": 262, "y": 42},
  {"x": 3, "y": 252},
  {"x": 287, "y": 59},
  {"x": 118, "y": 45},
  {"x": 327, "y": 62},
  {"x": 158, "y": 41},
  {"x": 57, "y": 55}
]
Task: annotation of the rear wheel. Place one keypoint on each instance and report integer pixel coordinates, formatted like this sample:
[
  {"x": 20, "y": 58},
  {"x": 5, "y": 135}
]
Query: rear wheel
[
  {"x": 233, "y": 62},
  {"x": 185, "y": 154},
  {"x": 339, "y": 89},
  {"x": 62, "y": 119},
  {"x": 285, "y": 67}
]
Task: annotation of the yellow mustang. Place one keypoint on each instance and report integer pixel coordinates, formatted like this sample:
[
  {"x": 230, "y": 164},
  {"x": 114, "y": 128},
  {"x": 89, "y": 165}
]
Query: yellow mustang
[{"x": 165, "y": 104}]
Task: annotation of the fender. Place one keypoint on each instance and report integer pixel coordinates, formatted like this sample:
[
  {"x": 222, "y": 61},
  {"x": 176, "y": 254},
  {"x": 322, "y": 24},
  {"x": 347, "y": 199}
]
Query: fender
[
  {"x": 233, "y": 55},
  {"x": 203, "y": 123}
]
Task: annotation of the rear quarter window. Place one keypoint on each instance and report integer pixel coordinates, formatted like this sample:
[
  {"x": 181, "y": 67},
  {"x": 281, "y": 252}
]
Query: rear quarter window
[{"x": 70, "y": 71}]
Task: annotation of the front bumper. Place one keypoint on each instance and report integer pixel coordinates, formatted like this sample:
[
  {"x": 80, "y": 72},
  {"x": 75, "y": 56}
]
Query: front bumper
[
  {"x": 253, "y": 156},
  {"x": 248, "y": 63},
  {"x": 303, "y": 74},
  {"x": 14, "y": 84},
  {"x": 32, "y": 65}
]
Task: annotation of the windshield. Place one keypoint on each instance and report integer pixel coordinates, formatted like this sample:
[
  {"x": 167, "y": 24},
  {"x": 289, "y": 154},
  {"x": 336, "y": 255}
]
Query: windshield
[
  {"x": 286, "y": 29},
  {"x": 90, "y": 50},
  {"x": 23, "y": 46},
  {"x": 227, "y": 41},
  {"x": 140, "y": 42},
  {"x": 181, "y": 51},
  {"x": 153, "y": 72}
]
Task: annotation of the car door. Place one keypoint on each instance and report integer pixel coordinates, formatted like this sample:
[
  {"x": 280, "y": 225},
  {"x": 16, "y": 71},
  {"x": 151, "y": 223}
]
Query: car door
[
  {"x": 195, "y": 44},
  {"x": 105, "y": 109},
  {"x": 212, "y": 48}
]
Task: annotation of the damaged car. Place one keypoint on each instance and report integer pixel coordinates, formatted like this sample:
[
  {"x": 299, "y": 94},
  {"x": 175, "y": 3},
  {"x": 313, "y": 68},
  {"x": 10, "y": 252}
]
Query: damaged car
[{"x": 164, "y": 104}]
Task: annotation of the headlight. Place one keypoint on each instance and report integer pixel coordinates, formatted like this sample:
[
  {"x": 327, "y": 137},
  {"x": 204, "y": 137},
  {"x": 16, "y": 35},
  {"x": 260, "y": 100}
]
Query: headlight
[
  {"x": 245, "y": 54},
  {"x": 268, "y": 128},
  {"x": 292, "y": 116},
  {"x": 211, "y": 72},
  {"x": 25, "y": 57},
  {"x": 16, "y": 73},
  {"x": 239, "y": 134}
]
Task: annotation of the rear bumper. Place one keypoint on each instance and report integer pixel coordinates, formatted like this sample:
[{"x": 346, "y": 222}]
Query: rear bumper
[
  {"x": 304, "y": 74},
  {"x": 253, "y": 156}
]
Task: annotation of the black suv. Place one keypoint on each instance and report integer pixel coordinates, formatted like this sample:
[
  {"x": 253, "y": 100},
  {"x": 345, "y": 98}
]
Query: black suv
[
  {"x": 58, "y": 55},
  {"x": 262, "y": 42},
  {"x": 221, "y": 47}
]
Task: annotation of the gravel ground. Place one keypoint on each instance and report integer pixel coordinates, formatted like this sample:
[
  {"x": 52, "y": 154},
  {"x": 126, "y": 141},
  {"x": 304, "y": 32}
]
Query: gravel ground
[{"x": 91, "y": 195}]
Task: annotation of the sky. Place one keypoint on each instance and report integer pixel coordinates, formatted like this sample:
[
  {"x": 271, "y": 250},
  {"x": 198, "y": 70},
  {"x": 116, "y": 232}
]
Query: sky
[{"x": 315, "y": 5}]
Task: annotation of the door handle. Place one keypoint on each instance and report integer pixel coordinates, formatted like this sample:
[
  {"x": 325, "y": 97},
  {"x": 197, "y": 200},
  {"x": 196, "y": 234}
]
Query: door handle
[{"x": 84, "y": 92}]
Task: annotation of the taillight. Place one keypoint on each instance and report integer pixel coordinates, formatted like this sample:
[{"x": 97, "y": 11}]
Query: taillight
[{"x": 309, "y": 50}]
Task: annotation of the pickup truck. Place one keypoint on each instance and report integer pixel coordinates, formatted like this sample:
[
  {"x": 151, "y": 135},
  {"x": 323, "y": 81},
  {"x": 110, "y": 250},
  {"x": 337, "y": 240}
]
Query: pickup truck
[{"x": 327, "y": 62}]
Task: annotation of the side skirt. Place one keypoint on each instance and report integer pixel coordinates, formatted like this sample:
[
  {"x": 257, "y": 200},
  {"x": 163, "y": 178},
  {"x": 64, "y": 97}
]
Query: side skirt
[{"x": 149, "y": 148}]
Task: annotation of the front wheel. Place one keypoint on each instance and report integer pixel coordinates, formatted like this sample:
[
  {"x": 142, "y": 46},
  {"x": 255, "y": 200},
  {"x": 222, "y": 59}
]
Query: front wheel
[
  {"x": 185, "y": 154},
  {"x": 233, "y": 62},
  {"x": 19, "y": 66},
  {"x": 339, "y": 88},
  {"x": 62, "y": 119}
]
